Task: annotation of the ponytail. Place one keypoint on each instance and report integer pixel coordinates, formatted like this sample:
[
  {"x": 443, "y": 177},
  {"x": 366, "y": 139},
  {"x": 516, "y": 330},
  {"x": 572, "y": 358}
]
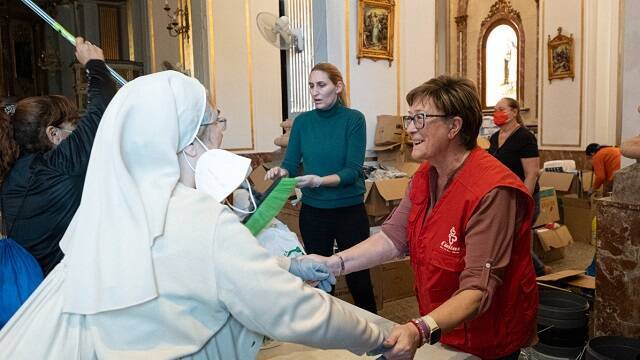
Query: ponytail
[
  {"x": 514, "y": 104},
  {"x": 8, "y": 146}
]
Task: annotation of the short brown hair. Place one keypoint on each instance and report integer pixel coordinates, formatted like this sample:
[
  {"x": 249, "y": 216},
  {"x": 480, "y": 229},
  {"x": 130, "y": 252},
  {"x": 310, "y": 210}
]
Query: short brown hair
[{"x": 455, "y": 97}]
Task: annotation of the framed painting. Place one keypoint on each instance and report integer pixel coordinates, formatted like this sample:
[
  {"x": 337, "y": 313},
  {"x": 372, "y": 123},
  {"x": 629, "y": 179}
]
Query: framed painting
[
  {"x": 561, "y": 56},
  {"x": 375, "y": 29}
]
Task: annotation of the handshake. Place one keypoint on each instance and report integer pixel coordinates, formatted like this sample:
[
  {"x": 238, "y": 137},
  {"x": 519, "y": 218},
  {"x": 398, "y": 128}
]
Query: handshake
[{"x": 401, "y": 343}]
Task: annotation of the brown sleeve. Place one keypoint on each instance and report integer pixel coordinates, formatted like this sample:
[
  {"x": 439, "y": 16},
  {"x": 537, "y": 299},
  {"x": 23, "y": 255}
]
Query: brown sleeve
[
  {"x": 489, "y": 238},
  {"x": 395, "y": 226}
]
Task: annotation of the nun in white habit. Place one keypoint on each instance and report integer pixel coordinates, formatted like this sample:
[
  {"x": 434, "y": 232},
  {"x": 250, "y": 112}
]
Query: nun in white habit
[{"x": 155, "y": 269}]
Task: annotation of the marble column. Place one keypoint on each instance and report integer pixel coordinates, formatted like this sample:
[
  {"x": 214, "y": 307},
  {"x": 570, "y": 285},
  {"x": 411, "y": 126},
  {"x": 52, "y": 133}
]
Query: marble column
[{"x": 617, "y": 301}]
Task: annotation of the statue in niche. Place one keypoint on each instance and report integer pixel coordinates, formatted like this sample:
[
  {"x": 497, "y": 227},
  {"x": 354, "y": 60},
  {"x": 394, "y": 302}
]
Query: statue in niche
[
  {"x": 507, "y": 58},
  {"x": 508, "y": 65}
]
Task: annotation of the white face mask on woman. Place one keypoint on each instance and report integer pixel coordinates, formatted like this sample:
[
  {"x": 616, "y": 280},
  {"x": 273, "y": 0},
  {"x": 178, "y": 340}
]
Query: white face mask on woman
[{"x": 219, "y": 172}]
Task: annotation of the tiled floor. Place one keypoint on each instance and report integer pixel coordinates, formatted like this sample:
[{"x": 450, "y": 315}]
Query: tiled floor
[{"x": 577, "y": 256}]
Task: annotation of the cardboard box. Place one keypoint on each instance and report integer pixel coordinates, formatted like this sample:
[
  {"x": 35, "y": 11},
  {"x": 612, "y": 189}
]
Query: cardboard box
[
  {"x": 567, "y": 183},
  {"x": 587, "y": 180},
  {"x": 381, "y": 196},
  {"x": 257, "y": 179},
  {"x": 388, "y": 130},
  {"x": 393, "y": 154},
  {"x": 341, "y": 289},
  {"x": 563, "y": 183},
  {"x": 549, "y": 212},
  {"x": 577, "y": 216},
  {"x": 575, "y": 278},
  {"x": 391, "y": 281},
  {"x": 397, "y": 280},
  {"x": 549, "y": 244}
]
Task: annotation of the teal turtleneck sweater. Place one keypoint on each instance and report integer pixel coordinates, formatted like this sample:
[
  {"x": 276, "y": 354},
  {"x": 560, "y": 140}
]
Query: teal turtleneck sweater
[{"x": 329, "y": 142}]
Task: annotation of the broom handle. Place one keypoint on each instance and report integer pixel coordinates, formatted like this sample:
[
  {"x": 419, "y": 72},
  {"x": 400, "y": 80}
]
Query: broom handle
[{"x": 67, "y": 35}]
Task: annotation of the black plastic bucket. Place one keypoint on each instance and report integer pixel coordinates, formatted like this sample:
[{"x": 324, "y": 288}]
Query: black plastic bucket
[
  {"x": 562, "y": 323},
  {"x": 613, "y": 347},
  {"x": 562, "y": 309}
]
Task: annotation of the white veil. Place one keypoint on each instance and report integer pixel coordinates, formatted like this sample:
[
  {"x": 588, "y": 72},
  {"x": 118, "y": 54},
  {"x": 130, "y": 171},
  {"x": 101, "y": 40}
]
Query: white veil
[{"x": 132, "y": 173}]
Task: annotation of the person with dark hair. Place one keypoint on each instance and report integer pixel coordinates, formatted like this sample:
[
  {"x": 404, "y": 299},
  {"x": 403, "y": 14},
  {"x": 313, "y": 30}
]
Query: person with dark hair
[
  {"x": 45, "y": 151},
  {"x": 517, "y": 148},
  {"x": 605, "y": 161},
  {"x": 330, "y": 141},
  {"x": 466, "y": 222},
  {"x": 156, "y": 267}
]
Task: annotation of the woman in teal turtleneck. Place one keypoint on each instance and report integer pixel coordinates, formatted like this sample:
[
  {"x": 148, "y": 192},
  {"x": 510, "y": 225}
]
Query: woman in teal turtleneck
[{"x": 330, "y": 141}]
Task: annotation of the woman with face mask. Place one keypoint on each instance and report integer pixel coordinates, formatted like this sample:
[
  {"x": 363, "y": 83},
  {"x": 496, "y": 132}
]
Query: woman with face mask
[
  {"x": 517, "y": 148},
  {"x": 45, "y": 150},
  {"x": 329, "y": 143},
  {"x": 155, "y": 267}
]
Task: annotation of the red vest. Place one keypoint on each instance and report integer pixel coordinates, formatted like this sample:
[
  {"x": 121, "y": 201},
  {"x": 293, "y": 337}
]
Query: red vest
[{"x": 437, "y": 249}]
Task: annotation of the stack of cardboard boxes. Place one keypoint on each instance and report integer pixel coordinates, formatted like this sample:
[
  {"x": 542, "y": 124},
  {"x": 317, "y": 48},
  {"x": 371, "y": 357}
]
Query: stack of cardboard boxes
[
  {"x": 392, "y": 150},
  {"x": 565, "y": 213}
]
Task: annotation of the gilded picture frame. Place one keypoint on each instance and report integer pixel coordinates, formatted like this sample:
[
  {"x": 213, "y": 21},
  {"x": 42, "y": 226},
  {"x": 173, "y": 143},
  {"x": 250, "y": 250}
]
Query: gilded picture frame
[
  {"x": 376, "y": 19},
  {"x": 561, "y": 56}
]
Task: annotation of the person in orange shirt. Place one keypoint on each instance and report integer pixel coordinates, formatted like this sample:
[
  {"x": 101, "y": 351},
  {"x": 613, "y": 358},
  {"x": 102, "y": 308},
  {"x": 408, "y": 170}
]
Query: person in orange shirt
[{"x": 605, "y": 161}]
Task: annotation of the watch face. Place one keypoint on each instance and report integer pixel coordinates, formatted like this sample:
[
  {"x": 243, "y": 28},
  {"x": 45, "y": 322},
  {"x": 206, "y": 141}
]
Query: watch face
[{"x": 434, "y": 337}]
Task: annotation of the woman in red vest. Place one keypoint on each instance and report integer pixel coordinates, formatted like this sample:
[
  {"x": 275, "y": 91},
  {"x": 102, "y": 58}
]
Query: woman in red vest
[{"x": 465, "y": 221}]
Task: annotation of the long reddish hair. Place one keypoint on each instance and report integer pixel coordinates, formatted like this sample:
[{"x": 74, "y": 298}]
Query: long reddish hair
[
  {"x": 335, "y": 76},
  {"x": 24, "y": 131}
]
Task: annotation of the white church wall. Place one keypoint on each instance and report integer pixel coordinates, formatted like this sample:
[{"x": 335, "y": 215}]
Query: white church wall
[
  {"x": 630, "y": 74},
  {"x": 575, "y": 113},
  {"x": 375, "y": 87}
]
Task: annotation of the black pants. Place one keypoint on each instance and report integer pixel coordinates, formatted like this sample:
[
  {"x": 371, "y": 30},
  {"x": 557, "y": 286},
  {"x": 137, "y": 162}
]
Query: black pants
[{"x": 348, "y": 226}]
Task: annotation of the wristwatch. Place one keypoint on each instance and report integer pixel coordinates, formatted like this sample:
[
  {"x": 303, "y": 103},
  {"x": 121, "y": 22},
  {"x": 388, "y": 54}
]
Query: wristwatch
[{"x": 434, "y": 331}]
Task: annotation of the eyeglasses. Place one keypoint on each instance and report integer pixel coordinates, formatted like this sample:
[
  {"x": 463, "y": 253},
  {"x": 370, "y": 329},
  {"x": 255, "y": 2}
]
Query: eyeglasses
[
  {"x": 419, "y": 119},
  {"x": 211, "y": 117}
]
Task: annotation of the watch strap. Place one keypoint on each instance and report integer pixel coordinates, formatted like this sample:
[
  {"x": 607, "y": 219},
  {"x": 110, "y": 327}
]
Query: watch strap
[{"x": 434, "y": 330}]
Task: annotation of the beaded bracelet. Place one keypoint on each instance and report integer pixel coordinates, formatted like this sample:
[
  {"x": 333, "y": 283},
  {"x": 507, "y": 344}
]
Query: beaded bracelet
[
  {"x": 420, "y": 331},
  {"x": 425, "y": 332}
]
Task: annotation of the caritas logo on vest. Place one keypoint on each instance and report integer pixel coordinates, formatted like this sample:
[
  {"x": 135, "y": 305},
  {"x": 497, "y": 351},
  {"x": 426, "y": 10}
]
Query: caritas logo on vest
[{"x": 451, "y": 245}]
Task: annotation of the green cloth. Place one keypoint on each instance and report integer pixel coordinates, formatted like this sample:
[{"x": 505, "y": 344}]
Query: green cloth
[
  {"x": 329, "y": 142},
  {"x": 271, "y": 206}
]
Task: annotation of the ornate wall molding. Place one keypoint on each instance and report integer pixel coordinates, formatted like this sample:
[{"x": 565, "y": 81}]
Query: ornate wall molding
[
  {"x": 461, "y": 37},
  {"x": 461, "y": 22},
  {"x": 498, "y": 10}
]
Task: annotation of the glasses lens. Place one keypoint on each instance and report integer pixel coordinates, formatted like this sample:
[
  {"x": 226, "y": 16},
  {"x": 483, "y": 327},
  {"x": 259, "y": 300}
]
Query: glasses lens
[
  {"x": 406, "y": 120},
  {"x": 209, "y": 116},
  {"x": 419, "y": 120},
  {"x": 222, "y": 121}
]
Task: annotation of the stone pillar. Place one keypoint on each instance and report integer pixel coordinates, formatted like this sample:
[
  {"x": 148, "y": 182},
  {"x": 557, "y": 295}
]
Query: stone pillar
[{"x": 617, "y": 302}]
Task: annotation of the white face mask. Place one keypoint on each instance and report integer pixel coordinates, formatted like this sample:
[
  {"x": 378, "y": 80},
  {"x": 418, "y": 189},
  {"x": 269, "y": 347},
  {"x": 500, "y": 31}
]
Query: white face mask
[{"x": 219, "y": 172}]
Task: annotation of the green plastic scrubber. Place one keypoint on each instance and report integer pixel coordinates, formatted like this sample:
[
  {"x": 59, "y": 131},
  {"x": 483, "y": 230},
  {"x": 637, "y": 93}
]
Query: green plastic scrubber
[{"x": 271, "y": 205}]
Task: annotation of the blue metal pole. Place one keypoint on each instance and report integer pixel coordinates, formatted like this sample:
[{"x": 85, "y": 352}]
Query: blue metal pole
[{"x": 67, "y": 35}]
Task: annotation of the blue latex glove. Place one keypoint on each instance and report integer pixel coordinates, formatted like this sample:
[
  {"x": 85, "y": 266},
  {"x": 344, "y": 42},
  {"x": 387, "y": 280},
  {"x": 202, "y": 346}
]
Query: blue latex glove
[{"x": 309, "y": 270}]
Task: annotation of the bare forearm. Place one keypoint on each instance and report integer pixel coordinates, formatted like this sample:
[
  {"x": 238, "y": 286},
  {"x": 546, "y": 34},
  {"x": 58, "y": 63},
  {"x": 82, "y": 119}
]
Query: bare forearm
[
  {"x": 631, "y": 147},
  {"x": 456, "y": 310},
  {"x": 530, "y": 183},
  {"x": 331, "y": 180},
  {"x": 374, "y": 251}
]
